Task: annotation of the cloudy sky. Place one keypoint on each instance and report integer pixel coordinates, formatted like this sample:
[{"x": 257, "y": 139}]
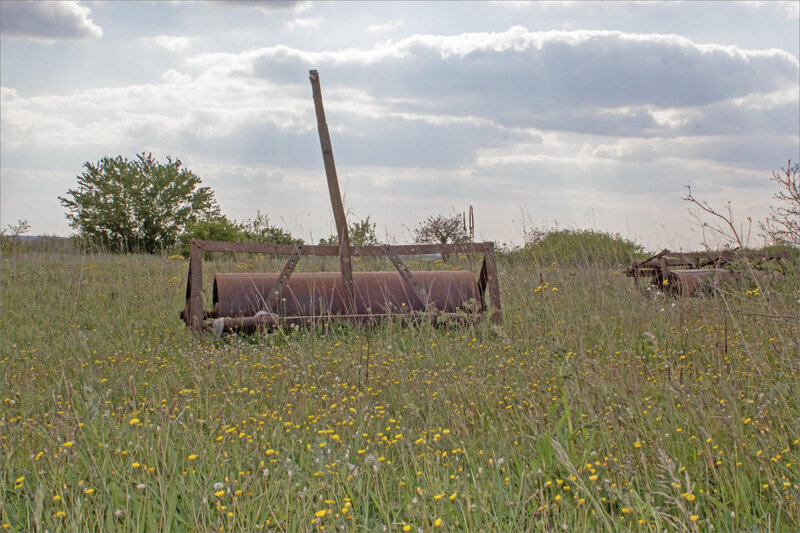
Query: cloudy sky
[{"x": 588, "y": 115}]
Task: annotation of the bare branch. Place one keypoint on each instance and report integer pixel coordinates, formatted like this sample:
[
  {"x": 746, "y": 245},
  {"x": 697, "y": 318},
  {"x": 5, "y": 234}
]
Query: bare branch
[
  {"x": 782, "y": 226},
  {"x": 725, "y": 226}
]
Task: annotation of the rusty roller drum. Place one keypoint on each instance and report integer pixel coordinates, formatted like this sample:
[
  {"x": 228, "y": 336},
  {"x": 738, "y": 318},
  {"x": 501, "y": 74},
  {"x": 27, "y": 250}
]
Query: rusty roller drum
[{"x": 320, "y": 294}]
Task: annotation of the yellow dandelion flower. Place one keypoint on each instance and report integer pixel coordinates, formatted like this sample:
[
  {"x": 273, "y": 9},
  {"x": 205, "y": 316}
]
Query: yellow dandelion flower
[
  {"x": 694, "y": 518},
  {"x": 57, "y": 498},
  {"x": 20, "y": 479},
  {"x": 321, "y": 513},
  {"x": 136, "y": 465},
  {"x": 453, "y": 496},
  {"x": 89, "y": 491},
  {"x": 69, "y": 444},
  {"x": 219, "y": 493},
  {"x": 407, "y": 527},
  {"x": 437, "y": 522},
  {"x": 626, "y": 510},
  {"x": 134, "y": 422},
  {"x": 593, "y": 478},
  {"x": 192, "y": 457}
]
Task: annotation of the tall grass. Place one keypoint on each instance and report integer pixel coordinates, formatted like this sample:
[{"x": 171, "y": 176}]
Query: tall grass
[{"x": 596, "y": 406}]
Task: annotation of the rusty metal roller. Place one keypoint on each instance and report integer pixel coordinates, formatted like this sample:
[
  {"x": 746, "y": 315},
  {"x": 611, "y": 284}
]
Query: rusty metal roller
[{"x": 322, "y": 294}]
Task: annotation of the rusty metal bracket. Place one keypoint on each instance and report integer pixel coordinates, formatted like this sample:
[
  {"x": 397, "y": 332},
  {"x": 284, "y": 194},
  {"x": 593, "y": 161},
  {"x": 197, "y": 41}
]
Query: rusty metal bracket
[
  {"x": 277, "y": 289},
  {"x": 492, "y": 282},
  {"x": 193, "y": 314},
  {"x": 482, "y": 280},
  {"x": 407, "y": 276}
]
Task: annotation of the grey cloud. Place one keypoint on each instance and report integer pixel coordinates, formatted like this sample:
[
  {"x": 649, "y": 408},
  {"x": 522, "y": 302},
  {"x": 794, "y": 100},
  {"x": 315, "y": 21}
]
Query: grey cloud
[
  {"x": 48, "y": 21},
  {"x": 270, "y": 6},
  {"x": 517, "y": 75},
  {"x": 357, "y": 140}
]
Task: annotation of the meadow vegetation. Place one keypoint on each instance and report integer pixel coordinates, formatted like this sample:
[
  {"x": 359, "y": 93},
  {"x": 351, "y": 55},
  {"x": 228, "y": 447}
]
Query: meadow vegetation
[{"x": 597, "y": 405}]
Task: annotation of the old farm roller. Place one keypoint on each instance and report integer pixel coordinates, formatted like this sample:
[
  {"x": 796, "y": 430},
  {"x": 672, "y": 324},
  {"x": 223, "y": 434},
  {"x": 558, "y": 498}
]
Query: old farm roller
[{"x": 250, "y": 301}]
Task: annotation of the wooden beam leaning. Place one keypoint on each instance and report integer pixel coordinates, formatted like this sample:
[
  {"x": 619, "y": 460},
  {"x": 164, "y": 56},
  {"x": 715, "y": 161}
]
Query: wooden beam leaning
[
  {"x": 335, "y": 194},
  {"x": 407, "y": 276},
  {"x": 273, "y": 301}
]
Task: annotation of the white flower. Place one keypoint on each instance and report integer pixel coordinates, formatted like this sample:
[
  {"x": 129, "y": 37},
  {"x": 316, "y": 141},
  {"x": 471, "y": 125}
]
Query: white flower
[{"x": 218, "y": 486}]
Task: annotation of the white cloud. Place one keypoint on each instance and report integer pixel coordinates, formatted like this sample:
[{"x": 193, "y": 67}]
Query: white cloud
[
  {"x": 377, "y": 29},
  {"x": 269, "y": 7},
  {"x": 173, "y": 43},
  {"x": 48, "y": 21},
  {"x": 304, "y": 23},
  {"x": 789, "y": 9}
]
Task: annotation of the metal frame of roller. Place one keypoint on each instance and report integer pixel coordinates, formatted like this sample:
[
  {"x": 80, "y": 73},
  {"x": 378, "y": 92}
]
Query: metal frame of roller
[
  {"x": 245, "y": 302},
  {"x": 435, "y": 294}
]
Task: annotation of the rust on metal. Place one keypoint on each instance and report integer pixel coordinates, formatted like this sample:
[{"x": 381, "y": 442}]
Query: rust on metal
[
  {"x": 321, "y": 294},
  {"x": 408, "y": 277},
  {"x": 310, "y": 297},
  {"x": 277, "y": 289},
  {"x": 688, "y": 273}
]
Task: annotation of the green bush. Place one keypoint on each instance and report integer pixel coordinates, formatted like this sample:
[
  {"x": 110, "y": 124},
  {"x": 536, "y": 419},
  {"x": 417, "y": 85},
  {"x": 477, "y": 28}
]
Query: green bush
[
  {"x": 140, "y": 205},
  {"x": 219, "y": 228},
  {"x": 579, "y": 247}
]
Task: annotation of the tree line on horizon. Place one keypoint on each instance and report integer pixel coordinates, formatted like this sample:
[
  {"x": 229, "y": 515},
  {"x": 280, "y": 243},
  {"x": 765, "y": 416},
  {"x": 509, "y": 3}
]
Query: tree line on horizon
[{"x": 143, "y": 205}]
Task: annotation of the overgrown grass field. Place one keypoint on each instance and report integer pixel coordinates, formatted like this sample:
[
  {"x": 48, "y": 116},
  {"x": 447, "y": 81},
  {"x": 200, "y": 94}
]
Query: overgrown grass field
[{"x": 597, "y": 406}]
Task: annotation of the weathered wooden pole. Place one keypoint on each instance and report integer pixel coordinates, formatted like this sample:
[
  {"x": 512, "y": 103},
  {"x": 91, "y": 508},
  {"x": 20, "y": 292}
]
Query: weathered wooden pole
[{"x": 336, "y": 196}]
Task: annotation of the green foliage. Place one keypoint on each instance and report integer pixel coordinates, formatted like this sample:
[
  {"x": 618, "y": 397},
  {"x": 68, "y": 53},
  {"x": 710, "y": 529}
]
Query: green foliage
[
  {"x": 362, "y": 233},
  {"x": 138, "y": 205},
  {"x": 259, "y": 229},
  {"x": 10, "y": 235},
  {"x": 219, "y": 228},
  {"x": 579, "y": 247}
]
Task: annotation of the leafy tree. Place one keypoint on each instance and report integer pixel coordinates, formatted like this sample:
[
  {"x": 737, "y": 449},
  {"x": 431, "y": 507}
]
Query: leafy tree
[
  {"x": 259, "y": 229},
  {"x": 783, "y": 224},
  {"x": 138, "y": 205},
  {"x": 362, "y": 233},
  {"x": 441, "y": 229}
]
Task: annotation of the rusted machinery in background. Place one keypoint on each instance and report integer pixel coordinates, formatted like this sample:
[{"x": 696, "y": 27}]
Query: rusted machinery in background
[
  {"x": 250, "y": 301},
  {"x": 688, "y": 273}
]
